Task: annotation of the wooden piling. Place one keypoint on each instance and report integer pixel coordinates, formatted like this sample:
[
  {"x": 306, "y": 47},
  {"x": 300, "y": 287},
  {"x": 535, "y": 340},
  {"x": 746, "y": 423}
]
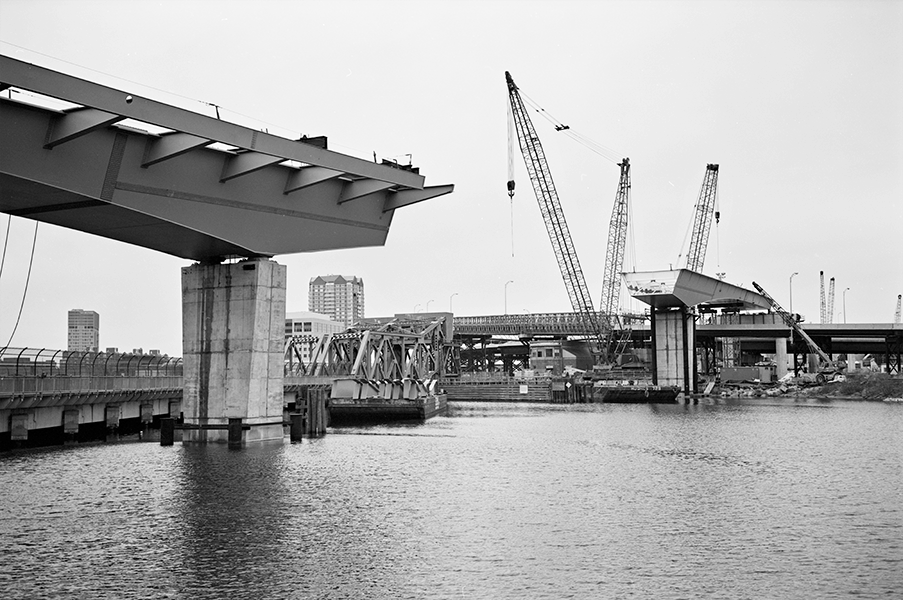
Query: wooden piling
[
  {"x": 235, "y": 435},
  {"x": 167, "y": 431}
]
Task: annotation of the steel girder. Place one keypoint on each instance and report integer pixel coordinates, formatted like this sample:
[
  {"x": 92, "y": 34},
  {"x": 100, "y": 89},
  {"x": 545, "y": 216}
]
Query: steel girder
[
  {"x": 132, "y": 169},
  {"x": 892, "y": 354}
]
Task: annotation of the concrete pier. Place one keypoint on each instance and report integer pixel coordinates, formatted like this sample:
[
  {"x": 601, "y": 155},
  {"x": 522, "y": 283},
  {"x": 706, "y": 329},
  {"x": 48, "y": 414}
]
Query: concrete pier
[
  {"x": 780, "y": 357},
  {"x": 233, "y": 319},
  {"x": 675, "y": 348}
]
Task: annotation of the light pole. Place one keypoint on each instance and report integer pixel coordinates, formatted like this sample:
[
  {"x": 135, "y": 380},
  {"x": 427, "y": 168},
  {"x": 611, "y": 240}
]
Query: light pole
[
  {"x": 506, "y": 295},
  {"x": 791, "y": 293},
  {"x": 416, "y": 306},
  {"x": 450, "y": 298},
  {"x": 845, "y": 305},
  {"x": 428, "y": 305}
]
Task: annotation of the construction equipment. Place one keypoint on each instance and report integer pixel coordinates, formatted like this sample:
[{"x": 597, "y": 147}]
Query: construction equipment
[
  {"x": 831, "y": 301},
  {"x": 822, "y": 305},
  {"x": 556, "y": 226},
  {"x": 609, "y": 305},
  {"x": 826, "y": 306},
  {"x": 897, "y": 312},
  {"x": 828, "y": 370},
  {"x": 702, "y": 222}
]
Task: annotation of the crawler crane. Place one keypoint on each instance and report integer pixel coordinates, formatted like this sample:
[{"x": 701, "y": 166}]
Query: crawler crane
[
  {"x": 828, "y": 369},
  {"x": 557, "y": 228}
]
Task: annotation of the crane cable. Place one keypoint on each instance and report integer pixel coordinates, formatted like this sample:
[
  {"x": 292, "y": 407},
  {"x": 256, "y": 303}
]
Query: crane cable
[
  {"x": 34, "y": 242},
  {"x": 603, "y": 151},
  {"x": 9, "y": 222},
  {"x": 511, "y": 137},
  {"x": 717, "y": 222}
]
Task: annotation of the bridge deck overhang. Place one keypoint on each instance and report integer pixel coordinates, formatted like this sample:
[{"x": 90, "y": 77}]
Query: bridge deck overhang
[
  {"x": 683, "y": 288},
  {"x": 136, "y": 170}
]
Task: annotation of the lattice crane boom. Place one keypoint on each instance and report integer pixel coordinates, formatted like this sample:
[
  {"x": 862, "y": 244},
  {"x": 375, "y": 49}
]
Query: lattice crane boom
[
  {"x": 830, "y": 301},
  {"x": 823, "y": 306},
  {"x": 791, "y": 322},
  {"x": 702, "y": 221},
  {"x": 617, "y": 242},
  {"x": 553, "y": 216}
]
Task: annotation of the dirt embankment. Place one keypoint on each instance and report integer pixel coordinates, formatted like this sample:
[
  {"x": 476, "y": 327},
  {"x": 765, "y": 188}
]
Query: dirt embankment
[
  {"x": 864, "y": 386},
  {"x": 856, "y": 386}
]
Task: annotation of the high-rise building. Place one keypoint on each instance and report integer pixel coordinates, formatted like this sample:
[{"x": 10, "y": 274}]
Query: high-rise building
[
  {"x": 84, "y": 330},
  {"x": 340, "y": 297}
]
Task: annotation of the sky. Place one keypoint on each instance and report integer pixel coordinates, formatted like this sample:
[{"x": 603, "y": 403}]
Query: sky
[{"x": 799, "y": 102}]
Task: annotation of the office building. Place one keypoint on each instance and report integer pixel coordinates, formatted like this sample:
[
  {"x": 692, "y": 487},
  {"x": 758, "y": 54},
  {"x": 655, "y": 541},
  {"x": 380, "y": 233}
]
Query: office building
[
  {"x": 84, "y": 331},
  {"x": 309, "y": 324}
]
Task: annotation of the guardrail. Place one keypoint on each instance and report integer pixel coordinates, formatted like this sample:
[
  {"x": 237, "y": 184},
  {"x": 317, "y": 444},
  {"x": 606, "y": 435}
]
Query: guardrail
[
  {"x": 46, "y": 362},
  {"x": 569, "y": 323},
  {"x": 13, "y": 386}
]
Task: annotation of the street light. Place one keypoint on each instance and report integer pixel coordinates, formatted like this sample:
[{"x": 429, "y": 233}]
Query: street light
[
  {"x": 506, "y": 295},
  {"x": 428, "y": 305},
  {"x": 791, "y": 293},
  {"x": 450, "y": 301},
  {"x": 415, "y": 307},
  {"x": 845, "y": 305}
]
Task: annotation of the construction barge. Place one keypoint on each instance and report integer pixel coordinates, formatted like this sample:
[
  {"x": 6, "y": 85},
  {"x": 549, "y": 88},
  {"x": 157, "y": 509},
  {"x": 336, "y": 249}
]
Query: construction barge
[
  {"x": 556, "y": 390},
  {"x": 360, "y": 401}
]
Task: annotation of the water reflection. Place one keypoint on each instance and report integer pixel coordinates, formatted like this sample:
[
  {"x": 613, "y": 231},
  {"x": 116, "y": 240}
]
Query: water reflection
[{"x": 728, "y": 498}]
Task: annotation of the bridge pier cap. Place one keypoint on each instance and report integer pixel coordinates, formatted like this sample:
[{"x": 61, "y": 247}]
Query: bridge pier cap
[
  {"x": 683, "y": 288},
  {"x": 672, "y": 295}
]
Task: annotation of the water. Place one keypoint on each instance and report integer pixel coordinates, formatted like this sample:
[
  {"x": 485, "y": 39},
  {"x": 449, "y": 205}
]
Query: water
[{"x": 737, "y": 499}]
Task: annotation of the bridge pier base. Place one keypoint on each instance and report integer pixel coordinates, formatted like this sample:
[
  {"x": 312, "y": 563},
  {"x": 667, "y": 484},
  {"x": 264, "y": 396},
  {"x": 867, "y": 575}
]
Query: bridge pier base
[
  {"x": 780, "y": 357},
  {"x": 674, "y": 341},
  {"x": 233, "y": 323}
]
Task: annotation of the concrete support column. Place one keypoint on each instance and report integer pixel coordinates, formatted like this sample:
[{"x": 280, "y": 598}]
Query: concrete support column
[
  {"x": 675, "y": 348},
  {"x": 780, "y": 357},
  {"x": 233, "y": 323}
]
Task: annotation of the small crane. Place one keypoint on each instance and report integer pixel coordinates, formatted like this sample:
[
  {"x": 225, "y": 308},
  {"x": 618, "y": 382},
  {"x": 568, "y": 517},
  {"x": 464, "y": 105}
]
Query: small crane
[{"x": 828, "y": 369}]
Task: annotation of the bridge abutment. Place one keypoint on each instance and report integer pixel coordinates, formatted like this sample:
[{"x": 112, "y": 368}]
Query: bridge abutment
[{"x": 233, "y": 323}]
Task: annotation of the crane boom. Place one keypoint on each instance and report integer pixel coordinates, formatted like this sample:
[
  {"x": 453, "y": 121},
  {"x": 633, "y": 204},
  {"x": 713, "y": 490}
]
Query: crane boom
[
  {"x": 553, "y": 216},
  {"x": 823, "y": 306},
  {"x": 897, "y": 312},
  {"x": 792, "y": 324},
  {"x": 702, "y": 222},
  {"x": 617, "y": 242},
  {"x": 830, "y": 301}
]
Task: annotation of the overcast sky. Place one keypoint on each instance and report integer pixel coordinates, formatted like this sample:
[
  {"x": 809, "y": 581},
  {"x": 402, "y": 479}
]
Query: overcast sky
[{"x": 800, "y": 103}]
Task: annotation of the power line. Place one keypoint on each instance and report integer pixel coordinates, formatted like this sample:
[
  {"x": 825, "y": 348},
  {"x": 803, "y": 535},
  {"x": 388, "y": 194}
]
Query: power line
[{"x": 34, "y": 242}]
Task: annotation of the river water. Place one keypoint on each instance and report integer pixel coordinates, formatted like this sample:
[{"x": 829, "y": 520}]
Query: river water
[{"x": 727, "y": 499}]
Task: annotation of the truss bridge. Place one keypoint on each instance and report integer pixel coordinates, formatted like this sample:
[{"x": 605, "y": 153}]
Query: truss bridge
[
  {"x": 404, "y": 350},
  {"x": 534, "y": 325}
]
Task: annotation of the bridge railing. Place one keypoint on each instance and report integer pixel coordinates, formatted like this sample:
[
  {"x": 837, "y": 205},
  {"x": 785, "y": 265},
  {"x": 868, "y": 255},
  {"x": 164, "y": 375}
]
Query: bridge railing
[
  {"x": 532, "y": 323},
  {"x": 46, "y": 362},
  {"x": 13, "y": 386}
]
